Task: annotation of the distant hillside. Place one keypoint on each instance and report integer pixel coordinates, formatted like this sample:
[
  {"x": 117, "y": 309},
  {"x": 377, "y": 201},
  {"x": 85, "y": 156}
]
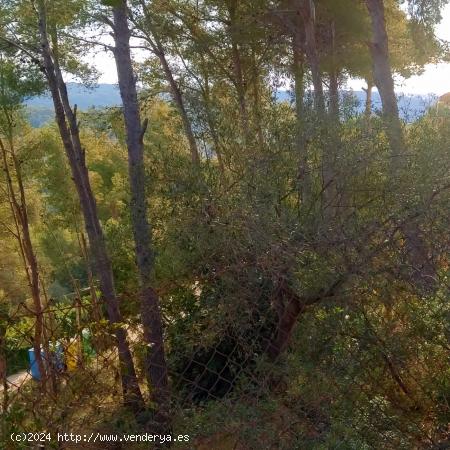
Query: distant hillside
[
  {"x": 411, "y": 107},
  {"x": 40, "y": 109},
  {"x": 39, "y": 115},
  {"x": 100, "y": 96}
]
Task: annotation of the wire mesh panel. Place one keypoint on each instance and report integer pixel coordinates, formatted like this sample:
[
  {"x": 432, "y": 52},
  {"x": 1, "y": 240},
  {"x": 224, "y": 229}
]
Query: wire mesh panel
[{"x": 252, "y": 364}]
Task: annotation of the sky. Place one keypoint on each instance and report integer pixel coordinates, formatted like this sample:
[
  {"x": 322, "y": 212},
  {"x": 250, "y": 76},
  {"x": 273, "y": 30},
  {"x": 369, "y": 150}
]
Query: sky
[{"x": 435, "y": 79}]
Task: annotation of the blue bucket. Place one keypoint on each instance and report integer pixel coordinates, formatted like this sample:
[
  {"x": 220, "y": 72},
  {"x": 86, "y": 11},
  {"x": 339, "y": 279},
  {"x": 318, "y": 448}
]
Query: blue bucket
[
  {"x": 56, "y": 356},
  {"x": 34, "y": 368}
]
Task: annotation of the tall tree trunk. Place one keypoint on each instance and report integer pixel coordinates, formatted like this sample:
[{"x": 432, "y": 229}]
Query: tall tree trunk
[
  {"x": 68, "y": 129},
  {"x": 177, "y": 96},
  {"x": 156, "y": 366},
  {"x": 423, "y": 269},
  {"x": 334, "y": 95},
  {"x": 306, "y": 9},
  {"x": 40, "y": 332},
  {"x": 19, "y": 210},
  {"x": 384, "y": 81},
  {"x": 239, "y": 84},
  {"x": 179, "y": 102}
]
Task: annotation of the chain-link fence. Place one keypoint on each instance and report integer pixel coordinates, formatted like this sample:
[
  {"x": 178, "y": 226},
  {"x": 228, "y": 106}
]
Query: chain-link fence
[
  {"x": 251, "y": 363},
  {"x": 322, "y": 327}
]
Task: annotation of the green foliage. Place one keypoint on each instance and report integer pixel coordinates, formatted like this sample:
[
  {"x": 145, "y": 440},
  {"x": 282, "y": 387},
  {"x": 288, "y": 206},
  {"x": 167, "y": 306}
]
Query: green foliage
[
  {"x": 252, "y": 233},
  {"x": 19, "y": 78},
  {"x": 112, "y": 3}
]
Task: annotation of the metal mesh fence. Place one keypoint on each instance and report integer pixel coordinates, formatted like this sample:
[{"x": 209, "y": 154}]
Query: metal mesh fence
[
  {"x": 304, "y": 336},
  {"x": 242, "y": 374}
]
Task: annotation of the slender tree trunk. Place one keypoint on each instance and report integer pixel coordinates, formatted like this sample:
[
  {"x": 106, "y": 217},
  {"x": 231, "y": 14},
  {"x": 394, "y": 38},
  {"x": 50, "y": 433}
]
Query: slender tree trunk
[
  {"x": 384, "y": 81},
  {"x": 68, "y": 129},
  {"x": 368, "y": 103},
  {"x": 334, "y": 96},
  {"x": 177, "y": 96},
  {"x": 156, "y": 366},
  {"x": 307, "y": 11},
  {"x": 19, "y": 210},
  {"x": 34, "y": 272},
  {"x": 334, "y": 193},
  {"x": 179, "y": 102},
  {"x": 100, "y": 341},
  {"x": 422, "y": 267},
  {"x": 79, "y": 333}
]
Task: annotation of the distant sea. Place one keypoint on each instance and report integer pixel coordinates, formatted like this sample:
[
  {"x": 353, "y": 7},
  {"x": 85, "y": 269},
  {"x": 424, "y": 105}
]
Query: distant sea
[
  {"x": 40, "y": 109},
  {"x": 411, "y": 107}
]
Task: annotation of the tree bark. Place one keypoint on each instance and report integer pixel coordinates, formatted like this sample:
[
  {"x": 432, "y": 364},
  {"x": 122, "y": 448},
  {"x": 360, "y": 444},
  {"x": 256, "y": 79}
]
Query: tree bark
[
  {"x": 287, "y": 319},
  {"x": 423, "y": 269},
  {"x": 382, "y": 73},
  {"x": 177, "y": 96},
  {"x": 307, "y": 12},
  {"x": 20, "y": 213},
  {"x": 289, "y": 306},
  {"x": 156, "y": 366},
  {"x": 368, "y": 103},
  {"x": 334, "y": 96},
  {"x": 68, "y": 129},
  {"x": 306, "y": 8},
  {"x": 179, "y": 102}
]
